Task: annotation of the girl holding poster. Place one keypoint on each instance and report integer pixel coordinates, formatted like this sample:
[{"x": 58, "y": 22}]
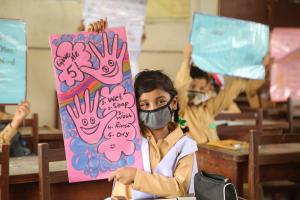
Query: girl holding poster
[{"x": 168, "y": 154}]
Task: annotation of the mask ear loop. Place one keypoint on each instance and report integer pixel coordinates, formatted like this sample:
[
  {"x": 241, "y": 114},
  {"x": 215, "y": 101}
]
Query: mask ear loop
[
  {"x": 169, "y": 103},
  {"x": 180, "y": 121}
]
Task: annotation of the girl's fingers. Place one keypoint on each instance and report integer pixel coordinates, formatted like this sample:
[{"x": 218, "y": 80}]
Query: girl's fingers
[
  {"x": 90, "y": 28},
  {"x": 98, "y": 26},
  {"x": 105, "y": 23},
  {"x": 112, "y": 176},
  {"x": 95, "y": 27}
]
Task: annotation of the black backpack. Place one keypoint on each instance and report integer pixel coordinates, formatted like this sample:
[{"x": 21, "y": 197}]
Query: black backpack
[
  {"x": 213, "y": 187},
  {"x": 18, "y": 146}
]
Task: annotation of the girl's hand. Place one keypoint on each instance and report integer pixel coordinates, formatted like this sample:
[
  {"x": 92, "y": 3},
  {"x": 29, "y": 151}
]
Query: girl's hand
[
  {"x": 98, "y": 26},
  {"x": 21, "y": 112},
  {"x": 124, "y": 175}
]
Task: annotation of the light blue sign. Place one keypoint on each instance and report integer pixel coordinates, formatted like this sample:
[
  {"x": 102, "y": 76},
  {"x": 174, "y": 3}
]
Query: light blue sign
[
  {"x": 12, "y": 61},
  {"x": 229, "y": 46}
]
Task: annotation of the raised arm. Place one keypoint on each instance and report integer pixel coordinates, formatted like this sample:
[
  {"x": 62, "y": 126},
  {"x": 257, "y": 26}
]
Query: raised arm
[
  {"x": 223, "y": 100},
  {"x": 183, "y": 79}
]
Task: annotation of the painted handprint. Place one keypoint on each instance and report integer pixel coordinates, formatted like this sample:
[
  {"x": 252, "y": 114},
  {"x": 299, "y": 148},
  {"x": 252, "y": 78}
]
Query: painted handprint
[
  {"x": 69, "y": 58},
  {"x": 85, "y": 117},
  {"x": 110, "y": 69}
]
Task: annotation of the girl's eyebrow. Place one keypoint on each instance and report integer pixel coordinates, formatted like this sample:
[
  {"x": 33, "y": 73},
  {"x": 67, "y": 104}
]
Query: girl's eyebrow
[
  {"x": 160, "y": 97},
  {"x": 144, "y": 100}
]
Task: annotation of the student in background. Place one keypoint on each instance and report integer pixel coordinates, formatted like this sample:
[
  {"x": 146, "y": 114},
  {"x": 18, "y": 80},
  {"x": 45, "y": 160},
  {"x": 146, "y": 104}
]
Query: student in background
[
  {"x": 203, "y": 87},
  {"x": 200, "y": 116},
  {"x": 11, "y": 129}
]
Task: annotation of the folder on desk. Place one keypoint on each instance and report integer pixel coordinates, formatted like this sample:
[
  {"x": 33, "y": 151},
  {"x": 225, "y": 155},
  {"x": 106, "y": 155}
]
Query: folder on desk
[{"x": 229, "y": 144}]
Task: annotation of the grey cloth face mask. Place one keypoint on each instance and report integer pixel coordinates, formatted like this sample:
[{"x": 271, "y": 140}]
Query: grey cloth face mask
[{"x": 158, "y": 118}]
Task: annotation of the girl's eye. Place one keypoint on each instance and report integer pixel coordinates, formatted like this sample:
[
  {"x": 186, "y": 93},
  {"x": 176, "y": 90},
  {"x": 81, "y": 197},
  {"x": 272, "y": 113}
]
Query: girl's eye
[
  {"x": 161, "y": 102},
  {"x": 144, "y": 105},
  {"x": 84, "y": 122}
]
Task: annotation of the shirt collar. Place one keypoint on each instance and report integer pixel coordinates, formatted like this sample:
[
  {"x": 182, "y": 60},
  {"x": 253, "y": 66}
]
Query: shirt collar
[{"x": 171, "y": 139}]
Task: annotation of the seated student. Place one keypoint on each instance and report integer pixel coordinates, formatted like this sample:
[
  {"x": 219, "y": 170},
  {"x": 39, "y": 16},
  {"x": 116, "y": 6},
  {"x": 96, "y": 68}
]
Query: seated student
[
  {"x": 200, "y": 117},
  {"x": 11, "y": 129},
  {"x": 168, "y": 154}
]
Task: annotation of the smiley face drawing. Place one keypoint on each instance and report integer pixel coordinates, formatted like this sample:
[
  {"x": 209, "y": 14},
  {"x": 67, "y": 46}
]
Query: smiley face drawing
[
  {"x": 88, "y": 124},
  {"x": 110, "y": 66}
]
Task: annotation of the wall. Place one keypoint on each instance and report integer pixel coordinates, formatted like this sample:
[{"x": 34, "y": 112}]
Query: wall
[
  {"x": 43, "y": 18},
  {"x": 166, "y": 38},
  {"x": 161, "y": 50}
]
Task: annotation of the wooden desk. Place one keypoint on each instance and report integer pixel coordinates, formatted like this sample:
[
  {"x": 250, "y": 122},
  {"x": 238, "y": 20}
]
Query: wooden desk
[
  {"x": 23, "y": 177},
  {"x": 234, "y": 164},
  {"x": 239, "y": 129},
  {"x": 267, "y": 124},
  {"x": 52, "y": 136}
]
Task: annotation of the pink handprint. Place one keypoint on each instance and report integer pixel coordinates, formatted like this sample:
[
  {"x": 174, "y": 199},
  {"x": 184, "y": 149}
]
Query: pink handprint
[
  {"x": 85, "y": 117},
  {"x": 110, "y": 70},
  {"x": 69, "y": 58}
]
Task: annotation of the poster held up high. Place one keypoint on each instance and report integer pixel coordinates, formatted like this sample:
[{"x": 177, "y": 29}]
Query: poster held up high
[
  {"x": 13, "y": 50},
  {"x": 229, "y": 46},
  {"x": 285, "y": 70}
]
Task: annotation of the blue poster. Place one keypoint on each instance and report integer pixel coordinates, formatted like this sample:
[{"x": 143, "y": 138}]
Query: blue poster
[
  {"x": 12, "y": 61},
  {"x": 229, "y": 46}
]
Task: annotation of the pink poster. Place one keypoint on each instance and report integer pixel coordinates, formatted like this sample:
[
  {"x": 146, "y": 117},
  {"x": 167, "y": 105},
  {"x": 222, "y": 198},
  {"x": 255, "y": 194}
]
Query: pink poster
[
  {"x": 285, "y": 71},
  {"x": 97, "y": 103}
]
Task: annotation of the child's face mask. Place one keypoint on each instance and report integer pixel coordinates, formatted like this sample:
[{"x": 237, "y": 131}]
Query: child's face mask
[
  {"x": 196, "y": 97},
  {"x": 158, "y": 118}
]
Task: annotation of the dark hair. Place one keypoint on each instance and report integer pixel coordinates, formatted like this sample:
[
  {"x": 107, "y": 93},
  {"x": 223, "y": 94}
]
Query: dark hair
[
  {"x": 196, "y": 72},
  {"x": 149, "y": 80},
  {"x": 216, "y": 86}
]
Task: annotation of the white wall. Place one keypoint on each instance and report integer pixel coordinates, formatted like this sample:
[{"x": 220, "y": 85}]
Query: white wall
[
  {"x": 43, "y": 18},
  {"x": 166, "y": 39},
  {"x": 161, "y": 50}
]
